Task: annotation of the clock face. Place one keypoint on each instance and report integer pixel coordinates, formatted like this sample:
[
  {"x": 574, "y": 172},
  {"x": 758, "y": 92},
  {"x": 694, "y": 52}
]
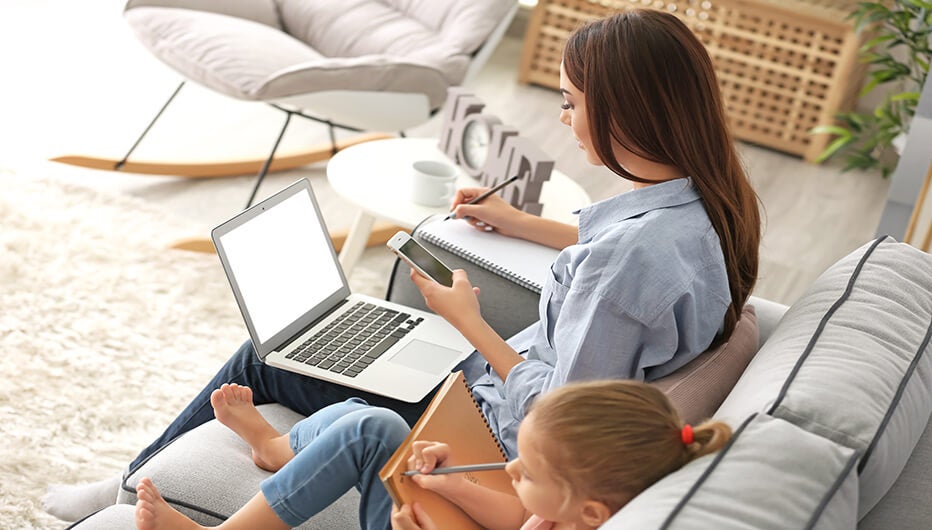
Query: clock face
[{"x": 475, "y": 147}]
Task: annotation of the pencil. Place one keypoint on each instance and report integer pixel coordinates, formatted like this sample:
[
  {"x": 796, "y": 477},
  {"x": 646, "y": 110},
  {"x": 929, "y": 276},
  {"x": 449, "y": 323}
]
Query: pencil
[
  {"x": 459, "y": 469},
  {"x": 483, "y": 196}
]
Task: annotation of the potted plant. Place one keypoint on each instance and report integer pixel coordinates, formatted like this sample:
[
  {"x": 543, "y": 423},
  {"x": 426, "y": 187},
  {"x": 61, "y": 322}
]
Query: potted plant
[{"x": 898, "y": 55}]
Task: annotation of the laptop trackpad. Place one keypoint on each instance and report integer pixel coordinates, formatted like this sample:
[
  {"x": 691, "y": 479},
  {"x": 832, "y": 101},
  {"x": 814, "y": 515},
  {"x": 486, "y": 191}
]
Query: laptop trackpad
[{"x": 426, "y": 357}]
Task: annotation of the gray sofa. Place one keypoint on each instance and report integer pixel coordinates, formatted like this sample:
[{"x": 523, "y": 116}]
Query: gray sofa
[{"x": 831, "y": 416}]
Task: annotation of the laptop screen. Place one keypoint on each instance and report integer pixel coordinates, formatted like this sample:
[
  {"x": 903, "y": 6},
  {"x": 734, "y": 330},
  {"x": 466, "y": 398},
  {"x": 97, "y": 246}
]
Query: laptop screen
[{"x": 282, "y": 264}]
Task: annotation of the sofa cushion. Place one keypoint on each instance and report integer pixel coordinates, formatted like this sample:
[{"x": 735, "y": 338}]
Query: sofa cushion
[
  {"x": 849, "y": 361},
  {"x": 754, "y": 482},
  {"x": 190, "y": 471},
  {"x": 906, "y": 505},
  {"x": 116, "y": 517},
  {"x": 699, "y": 387}
]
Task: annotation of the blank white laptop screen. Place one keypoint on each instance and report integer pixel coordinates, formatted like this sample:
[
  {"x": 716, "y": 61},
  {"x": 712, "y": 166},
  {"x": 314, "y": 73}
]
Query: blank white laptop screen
[{"x": 282, "y": 277}]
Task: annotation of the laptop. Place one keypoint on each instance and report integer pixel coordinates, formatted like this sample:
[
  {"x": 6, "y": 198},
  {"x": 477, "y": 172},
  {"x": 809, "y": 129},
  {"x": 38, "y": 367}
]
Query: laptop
[{"x": 301, "y": 314}]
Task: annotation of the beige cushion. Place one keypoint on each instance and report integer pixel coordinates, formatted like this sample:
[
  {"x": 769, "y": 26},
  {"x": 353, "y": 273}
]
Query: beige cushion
[{"x": 699, "y": 388}]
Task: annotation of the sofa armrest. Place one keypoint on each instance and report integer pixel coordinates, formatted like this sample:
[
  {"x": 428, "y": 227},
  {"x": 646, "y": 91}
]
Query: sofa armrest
[{"x": 768, "y": 316}]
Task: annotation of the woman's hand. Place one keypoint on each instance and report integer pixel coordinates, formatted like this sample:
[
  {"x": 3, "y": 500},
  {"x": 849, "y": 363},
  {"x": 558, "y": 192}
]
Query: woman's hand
[
  {"x": 410, "y": 517},
  {"x": 492, "y": 213},
  {"x": 458, "y": 305}
]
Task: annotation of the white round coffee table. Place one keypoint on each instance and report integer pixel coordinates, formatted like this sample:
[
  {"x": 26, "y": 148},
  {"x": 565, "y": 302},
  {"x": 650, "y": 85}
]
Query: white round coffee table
[{"x": 375, "y": 176}]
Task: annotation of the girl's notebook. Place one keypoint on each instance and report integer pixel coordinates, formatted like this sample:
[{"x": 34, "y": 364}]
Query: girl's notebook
[
  {"x": 453, "y": 417},
  {"x": 521, "y": 261}
]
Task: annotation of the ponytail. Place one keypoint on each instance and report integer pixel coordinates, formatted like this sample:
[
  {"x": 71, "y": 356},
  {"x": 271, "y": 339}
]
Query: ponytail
[{"x": 709, "y": 437}]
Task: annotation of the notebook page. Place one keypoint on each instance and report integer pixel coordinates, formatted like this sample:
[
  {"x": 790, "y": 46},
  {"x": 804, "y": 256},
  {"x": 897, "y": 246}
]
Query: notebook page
[{"x": 519, "y": 260}]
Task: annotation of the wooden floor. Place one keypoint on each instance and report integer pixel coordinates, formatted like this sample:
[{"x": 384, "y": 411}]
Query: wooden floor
[{"x": 814, "y": 214}]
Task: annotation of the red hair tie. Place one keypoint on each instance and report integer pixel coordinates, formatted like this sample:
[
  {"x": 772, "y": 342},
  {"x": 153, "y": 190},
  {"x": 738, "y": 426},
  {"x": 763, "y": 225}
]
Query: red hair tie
[{"x": 687, "y": 434}]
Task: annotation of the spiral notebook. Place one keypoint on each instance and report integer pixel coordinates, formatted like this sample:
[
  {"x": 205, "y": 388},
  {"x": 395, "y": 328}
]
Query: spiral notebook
[
  {"x": 519, "y": 260},
  {"x": 452, "y": 417}
]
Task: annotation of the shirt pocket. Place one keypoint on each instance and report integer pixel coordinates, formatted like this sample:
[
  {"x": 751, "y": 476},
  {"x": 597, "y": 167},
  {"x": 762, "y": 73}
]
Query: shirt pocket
[{"x": 555, "y": 294}]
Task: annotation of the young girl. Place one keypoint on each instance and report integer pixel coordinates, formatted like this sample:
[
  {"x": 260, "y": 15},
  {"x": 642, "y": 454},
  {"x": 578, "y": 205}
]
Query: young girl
[
  {"x": 646, "y": 282},
  {"x": 586, "y": 449}
]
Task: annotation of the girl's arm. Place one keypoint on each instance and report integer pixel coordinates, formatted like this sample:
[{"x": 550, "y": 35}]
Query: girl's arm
[
  {"x": 459, "y": 306},
  {"x": 490, "y": 508}
]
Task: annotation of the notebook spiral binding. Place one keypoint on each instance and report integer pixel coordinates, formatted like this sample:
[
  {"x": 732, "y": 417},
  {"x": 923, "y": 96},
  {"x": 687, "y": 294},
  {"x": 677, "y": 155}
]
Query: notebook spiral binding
[
  {"x": 485, "y": 420},
  {"x": 482, "y": 262}
]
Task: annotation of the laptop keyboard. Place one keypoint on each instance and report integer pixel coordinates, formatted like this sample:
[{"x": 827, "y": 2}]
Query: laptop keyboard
[{"x": 353, "y": 341}]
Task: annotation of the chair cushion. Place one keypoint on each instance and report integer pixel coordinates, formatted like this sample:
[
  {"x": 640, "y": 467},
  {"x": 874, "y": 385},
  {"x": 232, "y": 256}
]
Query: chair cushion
[
  {"x": 699, "y": 388},
  {"x": 754, "y": 482},
  {"x": 208, "y": 474},
  {"x": 850, "y": 361},
  {"x": 364, "y": 45},
  {"x": 443, "y": 34}
]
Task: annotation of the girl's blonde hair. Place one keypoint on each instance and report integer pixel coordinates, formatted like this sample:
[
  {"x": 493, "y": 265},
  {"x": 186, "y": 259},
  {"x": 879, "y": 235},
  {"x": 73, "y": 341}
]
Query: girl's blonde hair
[{"x": 610, "y": 440}]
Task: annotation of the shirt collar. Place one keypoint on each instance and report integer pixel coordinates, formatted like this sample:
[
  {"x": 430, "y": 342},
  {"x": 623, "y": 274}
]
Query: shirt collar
[{"x": 597, "y": 216}]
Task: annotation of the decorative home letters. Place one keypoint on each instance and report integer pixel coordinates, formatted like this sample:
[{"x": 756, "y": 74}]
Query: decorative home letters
[{"x": 508, "y": 154}]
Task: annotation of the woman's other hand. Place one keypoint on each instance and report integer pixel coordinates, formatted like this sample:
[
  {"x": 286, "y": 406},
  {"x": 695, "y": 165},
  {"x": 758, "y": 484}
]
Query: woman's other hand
[{"x": 458, "y": 305}]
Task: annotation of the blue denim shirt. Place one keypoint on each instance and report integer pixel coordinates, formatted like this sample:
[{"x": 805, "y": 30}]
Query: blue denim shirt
[{"x": 642, "y": 293}]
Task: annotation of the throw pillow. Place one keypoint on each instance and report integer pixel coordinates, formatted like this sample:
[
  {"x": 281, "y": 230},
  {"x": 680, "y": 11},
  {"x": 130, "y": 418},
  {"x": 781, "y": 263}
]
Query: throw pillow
[{"x": 698, "y": 388}]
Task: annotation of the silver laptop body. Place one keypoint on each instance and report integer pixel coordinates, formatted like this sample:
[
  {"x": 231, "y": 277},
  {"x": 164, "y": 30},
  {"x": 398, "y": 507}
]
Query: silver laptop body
[{"x": 290, "y": 288}]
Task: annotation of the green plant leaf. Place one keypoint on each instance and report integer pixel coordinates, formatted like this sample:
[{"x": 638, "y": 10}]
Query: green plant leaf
[
  {"x": 897, "y": 53},
  {"x": 867, "y": 46},
  {"x": 831, "y": 129},
  {"x": 834, "y": 147},
  {"x": 854, "y": 121},
  {"x": 905, "y": 96}
]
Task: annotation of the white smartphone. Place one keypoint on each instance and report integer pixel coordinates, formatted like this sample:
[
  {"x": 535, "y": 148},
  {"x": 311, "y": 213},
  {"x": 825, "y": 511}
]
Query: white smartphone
[{"x": 420, "y": 259}]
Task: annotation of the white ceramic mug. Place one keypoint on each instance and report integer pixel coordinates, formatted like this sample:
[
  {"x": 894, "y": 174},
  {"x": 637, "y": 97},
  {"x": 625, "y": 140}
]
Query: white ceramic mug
[{"x": 433, "y": 183}]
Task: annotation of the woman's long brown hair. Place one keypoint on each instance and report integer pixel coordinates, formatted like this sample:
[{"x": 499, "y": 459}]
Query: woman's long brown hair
[{"x": 650, "y": 87}]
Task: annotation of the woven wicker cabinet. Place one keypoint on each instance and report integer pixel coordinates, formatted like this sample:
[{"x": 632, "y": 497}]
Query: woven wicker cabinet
[{"x": 784, "y": 66}]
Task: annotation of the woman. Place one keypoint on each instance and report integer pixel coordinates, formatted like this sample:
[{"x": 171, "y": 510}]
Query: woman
[{"x": 648, "y": 280}]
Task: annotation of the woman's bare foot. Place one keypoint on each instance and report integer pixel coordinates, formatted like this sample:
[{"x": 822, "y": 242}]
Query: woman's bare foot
[
  {"x": 233, "y": 407},
  {"x": 153, "y": 513}
]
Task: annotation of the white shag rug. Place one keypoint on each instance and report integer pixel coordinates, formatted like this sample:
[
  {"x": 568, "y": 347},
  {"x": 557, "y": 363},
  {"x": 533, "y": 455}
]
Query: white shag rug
[{"x": 105, "y": 335}]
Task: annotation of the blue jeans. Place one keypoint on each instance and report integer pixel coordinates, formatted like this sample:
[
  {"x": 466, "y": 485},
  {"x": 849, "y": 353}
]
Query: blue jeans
[
  {"x": 341, "y": 446},
  {"x": 302, "y": 394}
]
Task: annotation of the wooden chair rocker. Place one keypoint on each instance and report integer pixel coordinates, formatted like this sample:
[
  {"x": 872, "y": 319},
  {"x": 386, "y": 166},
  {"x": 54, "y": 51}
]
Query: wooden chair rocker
[{"x": 357, "y": 65}]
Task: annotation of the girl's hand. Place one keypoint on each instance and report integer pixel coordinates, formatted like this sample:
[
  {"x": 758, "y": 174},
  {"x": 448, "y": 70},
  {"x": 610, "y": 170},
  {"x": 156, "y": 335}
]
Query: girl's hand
[
  {"x": 492, "y": 213},
  {"x": 458, "y": 305},
  {"x": 428, "y": 456},
  {"x": 411, "y": 518}
]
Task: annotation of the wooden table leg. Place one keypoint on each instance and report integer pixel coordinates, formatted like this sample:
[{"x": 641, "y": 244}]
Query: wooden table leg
[{"x": 356, "y": 240}]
